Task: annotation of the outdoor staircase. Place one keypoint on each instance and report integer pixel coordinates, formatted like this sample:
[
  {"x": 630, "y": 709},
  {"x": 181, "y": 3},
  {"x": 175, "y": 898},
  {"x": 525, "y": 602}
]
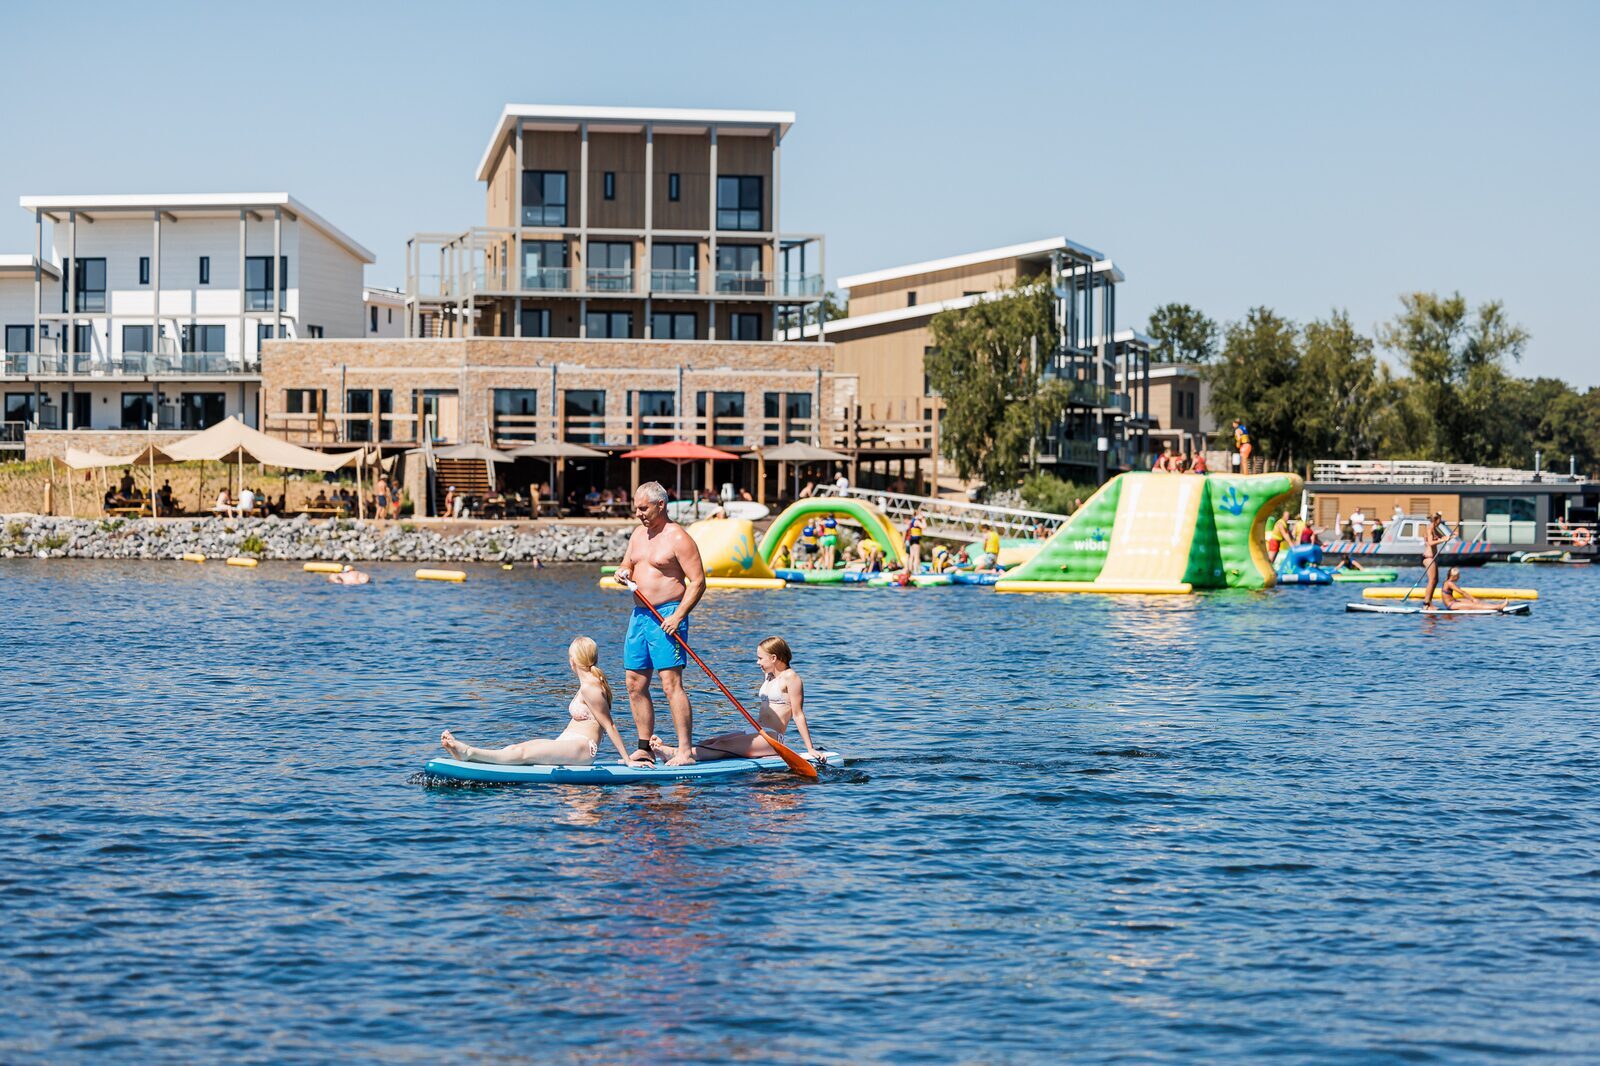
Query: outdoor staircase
[
  {"x": 469, "y": 476},
  {"x": 957, "y": 519}
]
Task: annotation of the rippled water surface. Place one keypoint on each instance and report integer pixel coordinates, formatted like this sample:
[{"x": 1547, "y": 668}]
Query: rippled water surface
[{"x": 1233, "y": 825}]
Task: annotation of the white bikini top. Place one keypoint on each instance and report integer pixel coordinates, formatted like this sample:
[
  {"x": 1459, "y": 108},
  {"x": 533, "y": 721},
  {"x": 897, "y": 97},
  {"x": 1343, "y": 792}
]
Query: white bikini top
[
  {"x": 578, "y": 710},
  {"x": 774, "y": 695}
]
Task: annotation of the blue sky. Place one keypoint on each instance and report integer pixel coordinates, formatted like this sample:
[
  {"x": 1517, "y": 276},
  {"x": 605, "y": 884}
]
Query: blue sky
[{"x": 1303, "y": 157}]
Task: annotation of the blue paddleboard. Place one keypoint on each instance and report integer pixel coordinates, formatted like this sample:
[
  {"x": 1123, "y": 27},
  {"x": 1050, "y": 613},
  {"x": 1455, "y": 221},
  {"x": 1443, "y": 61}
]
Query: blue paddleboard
[{"x": 609, "y": 773}]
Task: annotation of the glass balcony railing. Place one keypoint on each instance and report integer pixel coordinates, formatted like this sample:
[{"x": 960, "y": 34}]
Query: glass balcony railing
[
  {"x": 141, "y": 364},
  {"x": 675, "y": 280},
  {"x": 800, "y": 285},
  {"x": 610, "y": 279},
  {"x": 547, "y": 279},
  {"x": 743, "y": 283},
  {"x": 545, "y": 215}
]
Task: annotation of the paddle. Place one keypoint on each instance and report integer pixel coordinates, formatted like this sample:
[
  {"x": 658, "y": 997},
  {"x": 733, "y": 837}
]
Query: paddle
[
  {"x": 791, "y": 758},
  {"x": 1437, "y": 552}
]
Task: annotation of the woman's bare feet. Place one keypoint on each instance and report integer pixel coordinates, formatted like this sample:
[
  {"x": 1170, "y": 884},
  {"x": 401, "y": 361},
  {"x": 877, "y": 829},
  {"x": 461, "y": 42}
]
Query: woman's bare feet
[
  {"x": 670, "y": 753},
  {"x": 456, "y": 749}
]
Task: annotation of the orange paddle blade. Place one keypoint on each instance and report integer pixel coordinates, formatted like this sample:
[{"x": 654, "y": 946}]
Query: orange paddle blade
[{"x": 792, "y": 758}]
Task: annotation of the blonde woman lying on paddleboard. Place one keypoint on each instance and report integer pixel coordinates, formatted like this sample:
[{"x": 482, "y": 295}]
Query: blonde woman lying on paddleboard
[
  {"x": 589, "y": 713},
  {"x": 782, "y": 701}
]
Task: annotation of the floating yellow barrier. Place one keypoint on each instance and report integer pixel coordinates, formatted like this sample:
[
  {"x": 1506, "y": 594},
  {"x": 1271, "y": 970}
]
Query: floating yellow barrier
[
  {"x": 192, "y": 557},
  {"x": 442, "y": 575},
  {"x": 242, "y": 560},
  {"x": 323, "y": 568},
  {"x": 1181, "y": 588},
  {"x": 1480, "y": 593},
  {"x": 609, "y": 582}
]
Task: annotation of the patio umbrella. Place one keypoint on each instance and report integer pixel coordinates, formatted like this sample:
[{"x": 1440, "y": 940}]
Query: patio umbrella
[
  {"x": 553, "y": 450},
  {"x": 678, "y": 452},
  {"x": 798, "y": 453},
  {"x": 472, "y": 451}
]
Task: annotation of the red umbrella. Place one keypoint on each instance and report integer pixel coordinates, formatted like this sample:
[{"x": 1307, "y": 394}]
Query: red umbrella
[{"x": 678, "y": 452}]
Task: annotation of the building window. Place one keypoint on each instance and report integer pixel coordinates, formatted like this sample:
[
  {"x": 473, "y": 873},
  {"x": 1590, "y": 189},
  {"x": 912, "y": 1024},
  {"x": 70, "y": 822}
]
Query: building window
[
  {"x": 144, "y": 270},
  {"x": 304, "y": 401},
  {"x": 728, "y": 410},
  {"x": 672, "y": 268},
  {"x": 797, "y": 405},
  {"x": 611, "y": 266},
  {"x": 739, "y": 202},
  {"x": 674, "y": 187},
  {"x": 391, "y": 316},
  {"x": 544, "y": 265},
  {"x": 535, "y": 322},
  {"x": 19, "y": 339},
  {"x": 137, "y": 411},
  {"x": 81, "y": 407},
  {"x": 359, "y": 402},
  {"x": 744, "y": 326},
  {"x": 514, "y": 414},
  {"x": 739, "y": 269},
  {"x": 83, "y": 338},
  {"x": 314, "y": 332},
  {"x": 658, "y": 412},
  {"x": 205, "y": 338},
  {"x": 205, "y": 270},
  {"x": 586, "y": 410},
  {"x": 264, "y": 334},
  {"x": 374, "y": 317},
  {"x": 911, "y": 298},
  {"x": 544, "y": 197},
  {"x": 609, "y": 185},
  {"x": 615, "y": 325},
  {"x": 89, "y": 276},
  {"x": 673, "y": 325},
  {"x": 201, "y": 410},
  {"x": 136, "y": 340},
  {"x": 258, "y": 281}
]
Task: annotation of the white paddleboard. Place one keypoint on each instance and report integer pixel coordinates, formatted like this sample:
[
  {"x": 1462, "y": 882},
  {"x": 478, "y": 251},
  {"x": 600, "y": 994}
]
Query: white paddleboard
[
  {"x": 694, "y": 510},
  {"x": 1377, "y": 608}
]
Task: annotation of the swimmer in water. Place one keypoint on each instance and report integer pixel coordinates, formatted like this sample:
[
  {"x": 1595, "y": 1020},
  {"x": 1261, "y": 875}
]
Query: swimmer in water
[
  {"x": 782, "y": 701},
  {"x": 589, "y": 714},
  {"x": 350, "y": 576}
]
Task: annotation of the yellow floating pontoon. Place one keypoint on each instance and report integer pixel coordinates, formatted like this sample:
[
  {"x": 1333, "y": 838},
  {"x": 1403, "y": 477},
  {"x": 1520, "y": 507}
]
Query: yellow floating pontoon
[
  {"x": 1180, "y": 588},
  {"x": 192, "y": 557},
  {"x": 242, "y": 560},
  {"x": 1478, "y": 593},
  {"x": 441, "y": 575},
  {"x": 323, "y": 568},
  {"x": 609, "y": 582}
]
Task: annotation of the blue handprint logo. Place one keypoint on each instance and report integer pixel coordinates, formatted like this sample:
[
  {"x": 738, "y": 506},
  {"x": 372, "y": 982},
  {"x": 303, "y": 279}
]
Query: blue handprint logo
[
  {"x": 748, "y": 557},
  {"x": 1233, "y": 501}
]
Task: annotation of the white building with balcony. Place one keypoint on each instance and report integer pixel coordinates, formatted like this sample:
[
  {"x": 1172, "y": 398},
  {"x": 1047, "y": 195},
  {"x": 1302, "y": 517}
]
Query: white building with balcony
[{"x": 139, "y": 312}]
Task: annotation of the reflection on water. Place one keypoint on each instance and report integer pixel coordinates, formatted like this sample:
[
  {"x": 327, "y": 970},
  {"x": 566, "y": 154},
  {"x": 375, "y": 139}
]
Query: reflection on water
[{"x": 1214, "y": 827}]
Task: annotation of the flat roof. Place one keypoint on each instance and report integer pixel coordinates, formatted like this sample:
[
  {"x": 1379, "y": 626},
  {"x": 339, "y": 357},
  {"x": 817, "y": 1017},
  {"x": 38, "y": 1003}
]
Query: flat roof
[
  {"x": 567, "y": 116},
  {"x": 1030, "y": 250},
  {"x": 928, "y": 310},
  {"x": 23, "y": 264},
  {"x": 196, "y": 203}
]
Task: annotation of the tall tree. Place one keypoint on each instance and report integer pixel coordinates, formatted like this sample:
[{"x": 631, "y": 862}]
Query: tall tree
[
  {"x": 1342, "y": 393},
  {"x": 1182, "y": 335},
  {"x": 983, "y": 363},
  {"x": 1256, "y": 381}
]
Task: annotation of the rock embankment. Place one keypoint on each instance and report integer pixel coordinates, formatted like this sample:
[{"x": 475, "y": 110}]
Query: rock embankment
[{"x": 335, "y": 540}]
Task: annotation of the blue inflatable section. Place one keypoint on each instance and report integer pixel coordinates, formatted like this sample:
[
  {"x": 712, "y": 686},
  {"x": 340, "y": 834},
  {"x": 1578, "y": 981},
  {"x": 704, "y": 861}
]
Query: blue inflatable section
[
  {"x": 615, "y": 773},
  {"x": 1300, "y": 565}
]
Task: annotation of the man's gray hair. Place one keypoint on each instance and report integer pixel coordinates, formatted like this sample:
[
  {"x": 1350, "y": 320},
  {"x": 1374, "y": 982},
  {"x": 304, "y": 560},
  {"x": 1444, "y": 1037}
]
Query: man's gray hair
[{"x": 653, "y": 491}]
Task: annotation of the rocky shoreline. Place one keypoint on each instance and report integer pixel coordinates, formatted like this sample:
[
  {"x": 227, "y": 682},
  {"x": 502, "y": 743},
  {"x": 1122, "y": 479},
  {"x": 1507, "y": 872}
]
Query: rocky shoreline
[{"x": 333, "y": 540}]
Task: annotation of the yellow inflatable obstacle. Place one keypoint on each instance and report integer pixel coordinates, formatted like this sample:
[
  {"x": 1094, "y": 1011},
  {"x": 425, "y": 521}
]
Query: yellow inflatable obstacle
[
  {"x": 456, "y": 576},
  {"x": 1476, "y": 593},
  {"x": 322, "y": 568},
  {"x": 1161, "y": 533},
  {"x": 243, "y": 560},
  {"x": 728, "y": 551},
  {"x": 785, "y": 529}
]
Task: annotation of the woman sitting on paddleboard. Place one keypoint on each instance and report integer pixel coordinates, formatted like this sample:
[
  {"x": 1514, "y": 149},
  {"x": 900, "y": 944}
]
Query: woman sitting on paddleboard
[
  {"x": 579, "y": 743},
  {"x": 1457, "y": 598},
  {"x": 782, "y": 699}
]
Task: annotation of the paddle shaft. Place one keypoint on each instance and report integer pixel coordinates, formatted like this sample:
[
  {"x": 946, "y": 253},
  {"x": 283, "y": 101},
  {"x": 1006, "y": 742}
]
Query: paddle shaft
[{"x": 791, "y": 758}]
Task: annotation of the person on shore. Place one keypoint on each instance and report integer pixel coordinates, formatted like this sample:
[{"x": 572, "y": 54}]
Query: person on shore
[
  {"x": 830, "y": 541},
  {"x": 663, "y": 561},
  {"x": 247, "y": 502},
  {"x": 914, "y": 543},
  {"x": 1432, "y": 537},
  {"x": 1456, "y": 598},
  {"x": 1358, "y": 525},
  {"x": 782, "y": 696},
  {"x": 109, "y": 500},
  {"x": 841, "y": 484},
  {"x": 1377, "y": 528},
  {"x": 125, "y": 484},
  {"x": 1242, "y": 442},
  {"x": 450, "y": 501},
  {"x": 1278, "y": 537},
  {"x": 588, "y": 715},
  {"x": 164, "y": 497},
  {"x": 223, "y": 506}
]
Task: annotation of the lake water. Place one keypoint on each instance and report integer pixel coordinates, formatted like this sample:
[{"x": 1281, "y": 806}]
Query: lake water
[{"x": 1098, "y": 829}]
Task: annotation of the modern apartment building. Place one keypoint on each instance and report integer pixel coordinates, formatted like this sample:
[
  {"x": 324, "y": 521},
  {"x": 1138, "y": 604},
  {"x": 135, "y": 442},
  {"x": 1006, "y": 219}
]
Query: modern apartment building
[
  {"x": 617, "y": 223},
  {"x": 1176, "y": 399},
  {"x": 384, "y": 312},
  {"x": 152, "y": 311},
  {"x": 886, "y": 336}
]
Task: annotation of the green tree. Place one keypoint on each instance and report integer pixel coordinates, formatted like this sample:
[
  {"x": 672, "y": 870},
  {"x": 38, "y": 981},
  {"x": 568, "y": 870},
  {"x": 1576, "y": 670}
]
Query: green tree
[
  {"x": 1342, "y": 393},
  {"x": 986, "y": 362},
  {"x": 1182, "y": 335},
  {"x": 1257, "y": 381},
  {"x": 1460, "y": 404}
]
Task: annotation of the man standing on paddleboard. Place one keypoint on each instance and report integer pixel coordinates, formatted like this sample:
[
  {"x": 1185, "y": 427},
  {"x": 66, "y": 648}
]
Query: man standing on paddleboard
[{"x": 663, "y": 560}]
